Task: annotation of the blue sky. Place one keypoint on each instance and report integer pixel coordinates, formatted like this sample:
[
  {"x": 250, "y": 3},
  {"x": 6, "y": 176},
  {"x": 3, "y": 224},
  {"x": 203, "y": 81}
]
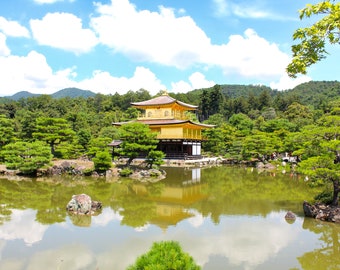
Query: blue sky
[{"x": 110, "y": 46}]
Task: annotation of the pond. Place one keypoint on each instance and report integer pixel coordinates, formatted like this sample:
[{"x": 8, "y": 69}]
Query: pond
[{"x": 224, "y": 217}]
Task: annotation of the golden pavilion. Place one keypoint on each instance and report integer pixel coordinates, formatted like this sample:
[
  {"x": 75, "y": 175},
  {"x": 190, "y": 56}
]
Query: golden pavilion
[{"x": 179, "y": 137}]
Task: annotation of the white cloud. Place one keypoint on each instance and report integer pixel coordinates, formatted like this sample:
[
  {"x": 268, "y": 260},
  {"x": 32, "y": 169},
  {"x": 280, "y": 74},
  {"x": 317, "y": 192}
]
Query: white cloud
[
  {"x": 31, "y": 73},
  {"x": 197, "y": 220},
  {"x": 197, "y": 80},
  {"x": 158, "y": 37},
  {"x": 249, "y": 56},
  {"x": 73, "y": 256},
  {"x": 106, "y": 216},
  {"x": 104, "y": 82},
  {"x": 63, "y": 31},
  {"x": 13, "y": 28},
  {"x": 163, "y": 38},
  {"x": 4, "y": 50},
  {"x": 246, "y": 243},
  {"x": 286, "y": 82},
  {"x": 23, "y": 225}
]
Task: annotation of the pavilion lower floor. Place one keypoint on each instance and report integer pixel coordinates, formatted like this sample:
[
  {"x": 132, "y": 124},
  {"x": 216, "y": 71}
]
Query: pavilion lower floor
[{"x": 180, "y": 149}]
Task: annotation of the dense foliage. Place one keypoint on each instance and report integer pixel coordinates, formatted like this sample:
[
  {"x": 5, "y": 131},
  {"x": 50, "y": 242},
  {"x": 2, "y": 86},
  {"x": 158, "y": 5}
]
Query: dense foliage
[
  {"x": 27, "y": 157},
  {"x": 252, "y": 122},
  {"x": 136, "y": 139},
  {"x": 311, "y": 47},
  {"x": 163, "y": 256}
]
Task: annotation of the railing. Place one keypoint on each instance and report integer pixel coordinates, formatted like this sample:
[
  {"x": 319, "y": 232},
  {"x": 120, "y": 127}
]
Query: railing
[
  {"x": 162, "y": 116},
  {"x": 180, "y": 136},
  {"x": 184, "y": 156}
]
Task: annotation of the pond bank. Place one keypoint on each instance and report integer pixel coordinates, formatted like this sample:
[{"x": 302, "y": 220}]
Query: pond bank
[{"x": 322, "y": 212}]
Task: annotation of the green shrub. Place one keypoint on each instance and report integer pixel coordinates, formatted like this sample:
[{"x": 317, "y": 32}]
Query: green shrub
[
  {"x": 27, "y": 157},
  {"x": 88, "y": 172},
  {"x": 102, "y": 161},
  {"x": 165, "y": 255},
  {"x": 125, "y": 172},
  {"x": 155, "y": 158},
  {"x": 324, "y": 197}
]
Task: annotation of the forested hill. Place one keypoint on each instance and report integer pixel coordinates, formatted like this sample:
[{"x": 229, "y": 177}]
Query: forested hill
[
  {"x": 306, "y": 92},
  {"x": 71, "y": 92},
  {"x": 314, "y": 93},
  {"x": 310, "y": 93}
]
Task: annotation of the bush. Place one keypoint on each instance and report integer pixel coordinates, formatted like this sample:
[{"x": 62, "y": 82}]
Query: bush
[
  {"x": 325, "y": 197},
  {"x": 155, "y": 158},
  {"x": 125, "y": 172},
  {"x": 102, "y": 161},
  {"x": 27, "y": 157},
  {"x": 163, "y": 256}
]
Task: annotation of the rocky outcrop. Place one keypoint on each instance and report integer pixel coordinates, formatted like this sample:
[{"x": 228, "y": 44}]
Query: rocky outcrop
[
  {"x": 267, "y": 166},
  {"x": 150, "y": 175},
  {"x": 322, "y": 212},
  {"x": 290, "y": 215},
  {"x": 66, "y": 167},
  {"x": 82, "y": 204}
]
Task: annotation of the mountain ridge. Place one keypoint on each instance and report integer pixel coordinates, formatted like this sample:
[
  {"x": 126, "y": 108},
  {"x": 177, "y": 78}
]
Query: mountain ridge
[
  {"x": 230, "y": 90},
  {"x": 71, "y": 92}
]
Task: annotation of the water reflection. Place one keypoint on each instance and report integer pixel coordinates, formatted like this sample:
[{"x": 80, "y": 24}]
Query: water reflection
[
  {"x": 328, "y": 254},
  {"x": 226, "y": 218},
  {"x": 23, "y": 225}
]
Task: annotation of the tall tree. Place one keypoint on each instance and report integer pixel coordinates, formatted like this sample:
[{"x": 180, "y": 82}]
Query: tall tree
[
  {"x": 265, "y": 99},
  {"x": 6, "y": 130},
  {"x": 28, "y": 157},
  {"x": 321, "y": 151},
  {"x": 216, "y": 100},
  {"x": 299, "y": 114},
  {"x": 204, "y": 105},
  {"x": 137, "y": 139},
  {"x": 313, "y": 39},
  {"x": 53, "y": 131}
]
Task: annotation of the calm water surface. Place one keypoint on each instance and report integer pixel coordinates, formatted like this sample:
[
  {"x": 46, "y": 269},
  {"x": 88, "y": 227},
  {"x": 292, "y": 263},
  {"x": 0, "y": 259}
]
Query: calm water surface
[{"x": 225, "y": 218}]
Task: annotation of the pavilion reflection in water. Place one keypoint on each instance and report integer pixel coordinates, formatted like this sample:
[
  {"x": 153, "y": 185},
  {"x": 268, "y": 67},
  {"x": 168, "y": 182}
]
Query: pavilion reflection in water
[{"x": 174, "y": 202}]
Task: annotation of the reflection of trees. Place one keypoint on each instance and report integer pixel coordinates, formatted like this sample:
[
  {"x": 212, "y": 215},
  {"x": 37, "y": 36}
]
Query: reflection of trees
[
  {"x": 235, "y": 191},
  {"x": 136, "y": 210},
  {"x": 221, "y": 191},
  {"x": 155, "y": 189},
  {"x": 5, "y": 214},
  {"x": 51, "y": 215},
  {"x": 328, "y": 256},
  {"x": 50, "y": 197},
  {"x": 81, "y": 220}
]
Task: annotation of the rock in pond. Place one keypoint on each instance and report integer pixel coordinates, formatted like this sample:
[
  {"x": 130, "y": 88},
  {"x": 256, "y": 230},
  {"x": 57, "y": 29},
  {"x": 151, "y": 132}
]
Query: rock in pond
[
  {"x": 290, "y": 215},
  {"x": 83, "y": 205},
  {"x": 322, "y": 212}
]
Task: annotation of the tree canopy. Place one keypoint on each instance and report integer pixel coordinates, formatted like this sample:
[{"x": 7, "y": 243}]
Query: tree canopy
[
  {"x": 137, "y": 139},
  {"x": 313, "y": 39},
  {"x": 27, "y": 157}
]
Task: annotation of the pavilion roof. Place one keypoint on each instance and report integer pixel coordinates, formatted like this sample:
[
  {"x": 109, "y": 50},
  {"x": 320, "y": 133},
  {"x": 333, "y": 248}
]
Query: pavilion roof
[
  {"x": 173, "y": 122},
  {"x": 164, "y": 99},
  {"x": 164, "y": 122}
]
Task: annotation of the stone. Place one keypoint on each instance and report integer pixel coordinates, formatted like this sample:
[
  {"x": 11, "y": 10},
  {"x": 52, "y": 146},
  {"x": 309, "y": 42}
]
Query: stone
[
  {"x": 309, "y": 210},
  {"x": 290, "y": 215},
  {"x": 83, "y": 205},
  {"x": 322, "y": 212}
]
